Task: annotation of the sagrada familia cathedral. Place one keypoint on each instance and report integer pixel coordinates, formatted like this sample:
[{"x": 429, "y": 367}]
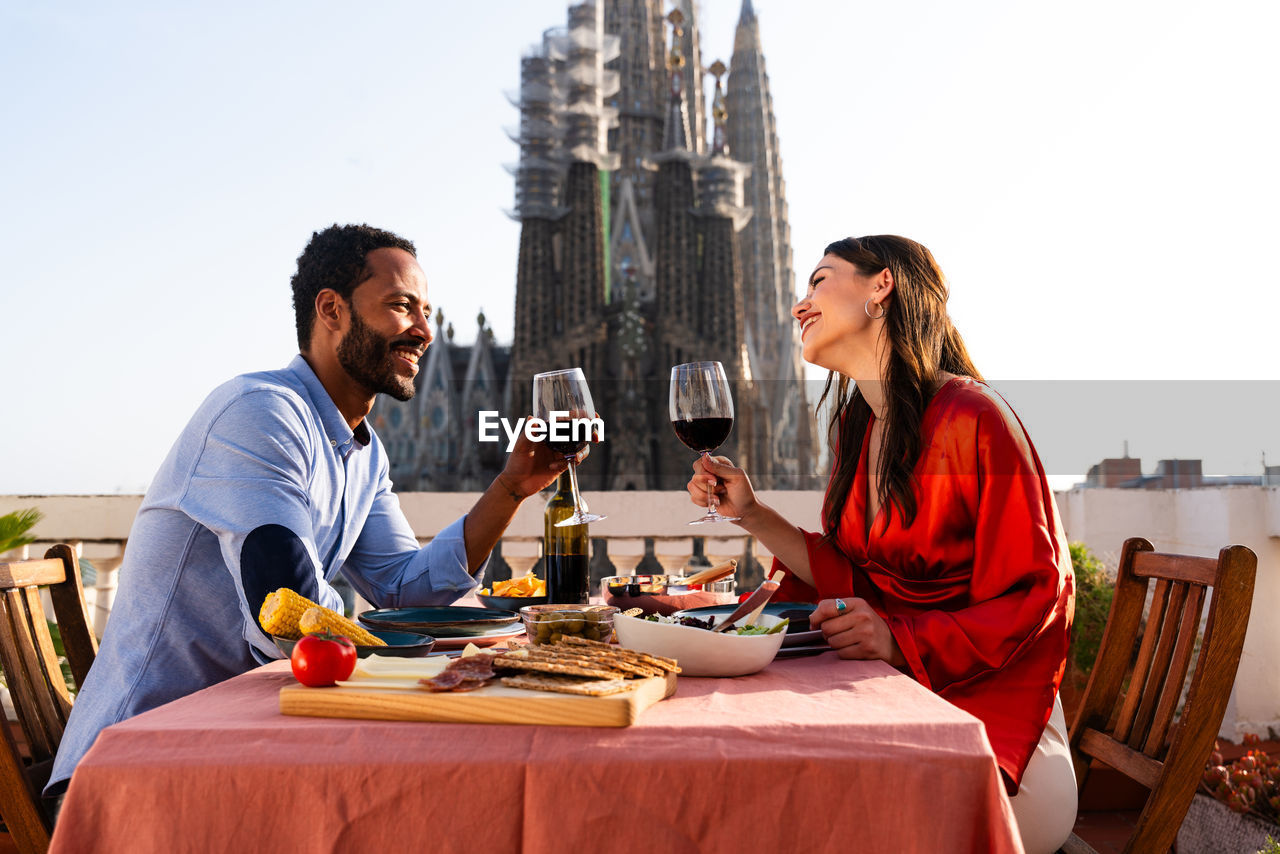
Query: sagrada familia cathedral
[{"x": 652, "y": 234}]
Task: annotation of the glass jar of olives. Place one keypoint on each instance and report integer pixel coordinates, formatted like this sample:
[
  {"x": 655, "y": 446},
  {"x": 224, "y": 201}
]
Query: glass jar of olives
[{"x": 549, "y": 623}]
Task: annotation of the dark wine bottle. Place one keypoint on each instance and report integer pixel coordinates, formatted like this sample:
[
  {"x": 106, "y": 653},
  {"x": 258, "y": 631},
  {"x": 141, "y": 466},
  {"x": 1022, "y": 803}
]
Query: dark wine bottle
[{"x": 566, "y": 550}]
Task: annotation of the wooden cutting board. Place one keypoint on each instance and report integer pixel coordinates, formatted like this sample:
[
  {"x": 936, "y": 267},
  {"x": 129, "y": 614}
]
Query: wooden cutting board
[{"x": 492, "y": 704}]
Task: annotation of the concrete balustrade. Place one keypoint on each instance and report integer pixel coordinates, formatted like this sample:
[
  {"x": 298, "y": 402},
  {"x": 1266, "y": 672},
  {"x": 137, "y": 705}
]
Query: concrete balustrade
[
  {"x": 1189, "y": 521},
  {"x": 625, "y": 553},
  {"x": 521, "y": 555},
  {"x": 674, "y": 553},
  {"x": 720, "y": 549}
]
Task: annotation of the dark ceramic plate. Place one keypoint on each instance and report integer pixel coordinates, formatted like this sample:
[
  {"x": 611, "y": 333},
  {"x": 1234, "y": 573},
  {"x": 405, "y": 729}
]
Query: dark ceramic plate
[
  {"x": 510, "y": 603},
  {"x": 441, "y": 621},
  {"x": 495, "y": 635},
  {"x": 800, "y": 651},
  {"x": 798, "y": 631},
  {"x": 401, "y": 644}
]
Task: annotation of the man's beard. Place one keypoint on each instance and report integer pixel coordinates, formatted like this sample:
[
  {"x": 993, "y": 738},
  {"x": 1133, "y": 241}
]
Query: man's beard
[{"x": 366, "y": 357}]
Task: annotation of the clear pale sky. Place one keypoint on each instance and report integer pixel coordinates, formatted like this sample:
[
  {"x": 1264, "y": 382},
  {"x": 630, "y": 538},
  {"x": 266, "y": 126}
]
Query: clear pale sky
[{"x": 1098, "y": 179}]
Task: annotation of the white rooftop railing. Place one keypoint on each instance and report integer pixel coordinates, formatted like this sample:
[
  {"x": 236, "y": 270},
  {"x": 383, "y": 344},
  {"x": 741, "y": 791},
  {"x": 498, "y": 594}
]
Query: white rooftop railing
[{"x": 649, "y": 531}]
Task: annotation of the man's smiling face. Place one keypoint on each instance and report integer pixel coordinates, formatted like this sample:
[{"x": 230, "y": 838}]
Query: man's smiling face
[{"x": 390, "y": 324}]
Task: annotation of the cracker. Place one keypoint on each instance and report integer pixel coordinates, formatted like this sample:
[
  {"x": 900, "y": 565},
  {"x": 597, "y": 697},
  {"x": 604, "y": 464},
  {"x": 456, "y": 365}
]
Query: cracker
[
  {"x": 583, "y": 658},
  {"x": 567, "y": 684},
  {"x": 668, "y": 665},
  {"x": 553, "y": 667},
  {"x": 609, "y": 658}
]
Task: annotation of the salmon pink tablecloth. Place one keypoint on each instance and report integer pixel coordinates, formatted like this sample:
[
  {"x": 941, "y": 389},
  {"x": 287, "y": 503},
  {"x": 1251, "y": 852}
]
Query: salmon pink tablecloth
[{"x": 810, "y": 755}]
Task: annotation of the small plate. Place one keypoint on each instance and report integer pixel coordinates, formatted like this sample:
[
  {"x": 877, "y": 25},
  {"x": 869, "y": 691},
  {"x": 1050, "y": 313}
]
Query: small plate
[
  {"x": 813, "y": 636},
  {"x": 399, "y": 644},
  {"x": 509, "y": 603},
  {"x": 798, "y": 651},
  {"x": 494, "y": 635},
  {"x": 440, "y": 621}
]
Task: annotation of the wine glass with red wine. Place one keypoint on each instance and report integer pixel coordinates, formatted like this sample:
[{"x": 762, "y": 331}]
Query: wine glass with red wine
[
  {"x": 702, "y": 415},
  {"x": 560, "y": 395}
]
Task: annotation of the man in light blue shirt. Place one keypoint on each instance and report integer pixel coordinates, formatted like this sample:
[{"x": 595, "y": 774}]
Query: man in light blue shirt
[{"x": 278, "y": 481}]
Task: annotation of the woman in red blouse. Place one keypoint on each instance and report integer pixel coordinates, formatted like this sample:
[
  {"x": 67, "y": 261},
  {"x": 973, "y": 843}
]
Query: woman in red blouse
[{"x": 941, "y": 551}]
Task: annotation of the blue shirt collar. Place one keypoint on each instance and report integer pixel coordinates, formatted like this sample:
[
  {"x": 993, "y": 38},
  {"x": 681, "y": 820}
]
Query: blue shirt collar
[{"x": 335, "y": 425}]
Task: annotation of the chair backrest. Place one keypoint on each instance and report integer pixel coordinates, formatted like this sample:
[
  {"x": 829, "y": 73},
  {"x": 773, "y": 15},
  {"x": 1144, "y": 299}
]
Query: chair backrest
[
  {"x": 36, "y": 684},
  {"x": 1128, "y": 724}
]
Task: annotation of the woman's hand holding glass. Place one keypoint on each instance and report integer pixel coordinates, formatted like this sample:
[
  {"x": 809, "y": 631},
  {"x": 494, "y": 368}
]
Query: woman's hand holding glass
[
  {"x": 729, "y": 484},
  {"x": 701, "y": 409}
]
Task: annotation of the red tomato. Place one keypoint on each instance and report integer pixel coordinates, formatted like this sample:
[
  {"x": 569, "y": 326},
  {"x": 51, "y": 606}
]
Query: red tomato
[{"x": 320, "y": 660}]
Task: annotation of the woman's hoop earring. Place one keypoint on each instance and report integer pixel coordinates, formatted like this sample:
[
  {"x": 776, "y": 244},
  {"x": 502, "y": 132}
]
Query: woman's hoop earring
[{"x": 866, "y": 307}]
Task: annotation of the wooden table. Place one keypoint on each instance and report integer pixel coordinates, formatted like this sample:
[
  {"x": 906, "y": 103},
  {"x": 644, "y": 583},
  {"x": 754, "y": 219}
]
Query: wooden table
[{"x": 812, "y": 754}]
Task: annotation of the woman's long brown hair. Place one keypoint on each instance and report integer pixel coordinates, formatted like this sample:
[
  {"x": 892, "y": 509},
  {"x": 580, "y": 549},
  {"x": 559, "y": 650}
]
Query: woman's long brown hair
[{"x": 922, "y": 344}]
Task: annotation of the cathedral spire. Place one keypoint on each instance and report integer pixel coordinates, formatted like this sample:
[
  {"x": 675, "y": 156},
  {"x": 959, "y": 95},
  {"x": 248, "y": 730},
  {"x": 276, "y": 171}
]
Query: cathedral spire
[
  {"x": 691, "y": 50},
  {"x": 753, "y": 138},
  {"x": 675, "y": 135},
  {"x": 746, "y": 37},
  {"x": 718, "y": 111}
]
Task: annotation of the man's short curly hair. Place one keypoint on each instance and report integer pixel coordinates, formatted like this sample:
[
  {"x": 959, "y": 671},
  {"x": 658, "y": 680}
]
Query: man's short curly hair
[{"x": 335, "y": 258}]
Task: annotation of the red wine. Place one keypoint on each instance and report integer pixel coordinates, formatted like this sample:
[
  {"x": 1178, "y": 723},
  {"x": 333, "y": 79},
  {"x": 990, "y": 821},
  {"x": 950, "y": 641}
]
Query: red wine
[
  {"x": 568, "y": 579},
  {"x": 567, "y": 449},
  {"x": 703, "y": 434}
]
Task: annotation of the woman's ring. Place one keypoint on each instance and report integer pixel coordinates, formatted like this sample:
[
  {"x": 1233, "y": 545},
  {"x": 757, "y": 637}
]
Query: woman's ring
[{"x": 840, "y": 606}]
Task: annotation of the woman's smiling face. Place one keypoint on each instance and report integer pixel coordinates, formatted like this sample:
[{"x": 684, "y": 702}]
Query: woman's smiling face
[{"x": 834, "y": 324}]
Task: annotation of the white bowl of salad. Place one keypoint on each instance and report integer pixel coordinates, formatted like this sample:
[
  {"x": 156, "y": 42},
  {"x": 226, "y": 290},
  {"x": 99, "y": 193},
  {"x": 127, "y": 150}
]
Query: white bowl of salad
[{"x": 700, "y": 651}]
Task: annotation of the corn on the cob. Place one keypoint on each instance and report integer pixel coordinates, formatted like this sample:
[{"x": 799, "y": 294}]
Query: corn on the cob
[
  {"x": 282, "y": 615},
  {"x": 319, "y": 619},
  {"x": 281, "y": 611}
]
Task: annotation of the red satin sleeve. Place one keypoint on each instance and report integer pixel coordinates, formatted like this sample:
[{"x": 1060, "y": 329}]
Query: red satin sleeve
[
  {"x": 832, "y": 571},
  {"x": 1016, "y": 585}
]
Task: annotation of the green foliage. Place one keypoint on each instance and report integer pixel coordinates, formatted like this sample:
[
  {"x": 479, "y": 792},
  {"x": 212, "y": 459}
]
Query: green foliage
[
  {"x": 1094, "y": 592},
  {"x": 1270, "y": 847},
  {"x": 14, "y": 527}
]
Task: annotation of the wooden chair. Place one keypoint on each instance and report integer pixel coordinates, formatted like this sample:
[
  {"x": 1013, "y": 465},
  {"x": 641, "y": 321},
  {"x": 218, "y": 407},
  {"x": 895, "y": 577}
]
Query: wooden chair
[
  {"x": 1131, "y": 728},
  {"x": 36, "y": 683}
]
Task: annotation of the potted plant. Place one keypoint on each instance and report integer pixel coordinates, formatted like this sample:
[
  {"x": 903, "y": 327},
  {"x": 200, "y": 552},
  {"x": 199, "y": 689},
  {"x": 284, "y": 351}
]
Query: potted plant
[
  {"x": 14, "y": 529},
  {"x": 1238, "y": 805}
]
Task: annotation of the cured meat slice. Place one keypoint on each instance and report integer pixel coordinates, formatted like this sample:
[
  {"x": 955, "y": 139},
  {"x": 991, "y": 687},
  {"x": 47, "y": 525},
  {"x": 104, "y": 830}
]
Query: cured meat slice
[
  {"x": 446, "y": 680},
  {"x": 462, "y": 674}
]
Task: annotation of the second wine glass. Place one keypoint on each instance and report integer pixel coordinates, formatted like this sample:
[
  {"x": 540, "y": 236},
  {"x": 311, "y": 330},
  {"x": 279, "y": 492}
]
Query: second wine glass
[
  {"x": 556, "y": 393},
  {"x": 702, "y": 415}
]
